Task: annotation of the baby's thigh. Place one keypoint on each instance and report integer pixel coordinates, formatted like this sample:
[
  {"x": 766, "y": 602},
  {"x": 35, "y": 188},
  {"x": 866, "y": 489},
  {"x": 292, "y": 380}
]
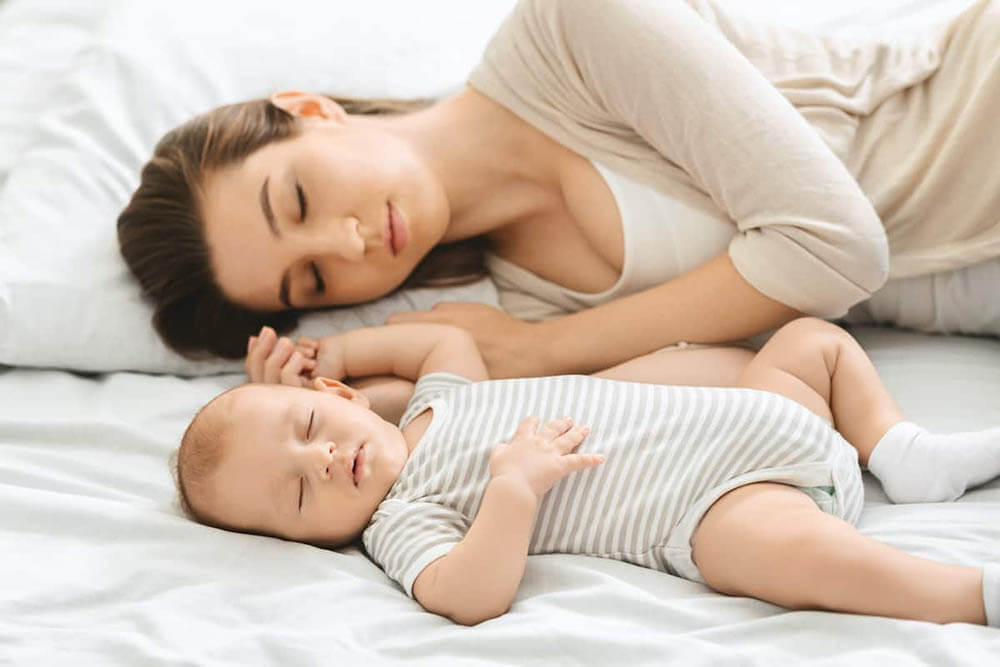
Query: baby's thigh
[
  {"x": 754, "y": 541},
  {"x": 691, "y": 366},
  {"x": 796, "y": 363}
]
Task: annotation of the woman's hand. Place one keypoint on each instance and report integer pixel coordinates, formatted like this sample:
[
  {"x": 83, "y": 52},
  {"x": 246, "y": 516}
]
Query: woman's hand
[
  {"x": 275, "y": 360},
  {"x": 540, "y": 457},
  {"x": 509, "y": 346}
]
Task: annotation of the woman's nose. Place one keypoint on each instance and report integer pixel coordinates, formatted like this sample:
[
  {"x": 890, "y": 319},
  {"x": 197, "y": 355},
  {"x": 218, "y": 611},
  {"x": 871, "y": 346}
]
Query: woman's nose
[{"x": 338, "y": 237}]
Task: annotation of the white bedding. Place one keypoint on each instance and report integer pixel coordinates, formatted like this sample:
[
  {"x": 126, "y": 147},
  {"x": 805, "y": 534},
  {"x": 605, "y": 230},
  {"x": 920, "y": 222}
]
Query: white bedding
[{"x": 97, "y": 566}]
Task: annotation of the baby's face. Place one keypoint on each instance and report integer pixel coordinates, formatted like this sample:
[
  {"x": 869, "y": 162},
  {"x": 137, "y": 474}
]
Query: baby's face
[{"x": 307, "y": 465}]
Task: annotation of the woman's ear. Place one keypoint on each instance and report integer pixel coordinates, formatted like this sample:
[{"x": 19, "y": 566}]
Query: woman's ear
[
  {"x": 308, "y": 105},
  {"x": 340, "y": 389}
]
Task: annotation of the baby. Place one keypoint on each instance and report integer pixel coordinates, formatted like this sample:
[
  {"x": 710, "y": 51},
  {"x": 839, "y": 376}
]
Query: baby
[{"x": 747, "y": 488}]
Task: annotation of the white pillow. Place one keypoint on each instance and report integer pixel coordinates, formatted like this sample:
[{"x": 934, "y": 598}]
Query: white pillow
[
  {"x": 67, "y": 299},
  {"x": 29, "y": 67}
]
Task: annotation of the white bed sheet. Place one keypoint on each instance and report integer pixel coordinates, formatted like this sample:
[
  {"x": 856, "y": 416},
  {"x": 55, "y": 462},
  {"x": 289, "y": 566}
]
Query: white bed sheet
[{"x": 97, "y": 566}]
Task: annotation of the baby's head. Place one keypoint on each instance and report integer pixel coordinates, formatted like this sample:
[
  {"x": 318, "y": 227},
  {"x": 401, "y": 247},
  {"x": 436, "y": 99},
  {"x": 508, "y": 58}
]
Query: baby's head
[{"x": 310, "y": 465}]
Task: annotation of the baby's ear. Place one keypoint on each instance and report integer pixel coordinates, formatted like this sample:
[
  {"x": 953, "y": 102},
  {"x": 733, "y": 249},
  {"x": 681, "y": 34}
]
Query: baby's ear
[{"x": 340, "y": 389}]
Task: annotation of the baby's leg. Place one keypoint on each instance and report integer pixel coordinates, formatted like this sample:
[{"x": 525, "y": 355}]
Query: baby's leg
[
  {"x": 698, "y": 366},
  {"x": 822, "y": 367},
  {"x": 772, "y": 542}
]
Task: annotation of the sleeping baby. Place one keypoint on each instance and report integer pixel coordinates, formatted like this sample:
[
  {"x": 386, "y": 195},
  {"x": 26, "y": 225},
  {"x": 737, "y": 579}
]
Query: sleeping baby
[{"x": 748, "y": 488}]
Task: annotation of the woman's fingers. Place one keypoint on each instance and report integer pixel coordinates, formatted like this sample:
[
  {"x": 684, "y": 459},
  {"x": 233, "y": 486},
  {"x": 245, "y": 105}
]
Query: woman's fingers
[{"x": 291, "y": 372}]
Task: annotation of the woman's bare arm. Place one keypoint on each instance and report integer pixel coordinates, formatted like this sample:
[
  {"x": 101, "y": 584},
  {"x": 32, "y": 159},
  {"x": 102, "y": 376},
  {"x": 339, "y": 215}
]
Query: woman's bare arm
[{"x": 711, "y": 304}]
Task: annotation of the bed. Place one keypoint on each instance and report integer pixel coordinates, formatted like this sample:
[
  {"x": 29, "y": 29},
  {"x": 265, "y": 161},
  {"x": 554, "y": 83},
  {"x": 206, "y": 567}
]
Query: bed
[{"x": 97, "y": 564}]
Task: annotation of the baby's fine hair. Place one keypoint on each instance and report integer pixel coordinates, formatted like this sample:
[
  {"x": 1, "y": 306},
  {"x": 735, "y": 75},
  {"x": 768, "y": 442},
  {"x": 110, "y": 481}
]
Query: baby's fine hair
[{"x": 196, "y": 460}]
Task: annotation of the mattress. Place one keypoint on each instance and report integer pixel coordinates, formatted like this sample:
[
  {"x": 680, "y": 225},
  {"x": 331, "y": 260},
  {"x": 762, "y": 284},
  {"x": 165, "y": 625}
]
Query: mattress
[{"x": 98, "y": 566}]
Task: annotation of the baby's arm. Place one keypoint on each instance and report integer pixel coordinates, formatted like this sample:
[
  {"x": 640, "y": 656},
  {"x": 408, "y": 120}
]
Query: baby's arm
[
  {"x": 478, "y": 578},
  {"x": 387, "y": 395},
  {"x": 408, "y": 351},
  {"x": 416, "y": 349},
  {"x": 277, "y": 360}
]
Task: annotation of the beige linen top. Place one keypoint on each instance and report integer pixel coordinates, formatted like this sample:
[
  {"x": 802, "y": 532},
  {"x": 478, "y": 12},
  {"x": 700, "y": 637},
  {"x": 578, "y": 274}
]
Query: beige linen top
[{"x": 825, "y": 152}]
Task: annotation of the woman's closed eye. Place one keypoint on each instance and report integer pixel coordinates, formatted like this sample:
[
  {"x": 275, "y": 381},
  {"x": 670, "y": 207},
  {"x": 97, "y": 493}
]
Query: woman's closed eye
[
  {"x": 302, "y": 202},
  {"x": 320, "y": 285}
]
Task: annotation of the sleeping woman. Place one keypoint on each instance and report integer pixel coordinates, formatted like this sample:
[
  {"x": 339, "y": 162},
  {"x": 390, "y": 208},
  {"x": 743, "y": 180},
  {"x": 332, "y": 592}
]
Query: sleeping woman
[{"x": 631, "y": 174}]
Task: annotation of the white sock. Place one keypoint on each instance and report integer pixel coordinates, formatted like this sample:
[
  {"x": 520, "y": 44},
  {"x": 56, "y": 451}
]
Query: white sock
[
  {"x": 916, "y": 466},
  {"x": 991, "y": 594}
]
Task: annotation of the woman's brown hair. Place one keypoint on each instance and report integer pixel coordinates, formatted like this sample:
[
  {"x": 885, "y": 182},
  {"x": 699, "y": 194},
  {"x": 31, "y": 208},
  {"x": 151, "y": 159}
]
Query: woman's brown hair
[{"x": 161, "y": 233}]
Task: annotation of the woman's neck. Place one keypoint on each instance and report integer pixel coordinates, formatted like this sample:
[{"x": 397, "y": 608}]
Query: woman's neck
[{"x": 496, "y": 169}]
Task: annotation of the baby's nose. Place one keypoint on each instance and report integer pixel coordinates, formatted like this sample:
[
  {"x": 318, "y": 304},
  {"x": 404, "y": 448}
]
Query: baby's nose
[{"x": 328, "y": 460}]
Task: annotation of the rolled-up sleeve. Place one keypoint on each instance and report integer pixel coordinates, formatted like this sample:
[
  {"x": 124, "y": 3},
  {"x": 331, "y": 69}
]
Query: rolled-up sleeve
[{"x": 808, "y": 236}]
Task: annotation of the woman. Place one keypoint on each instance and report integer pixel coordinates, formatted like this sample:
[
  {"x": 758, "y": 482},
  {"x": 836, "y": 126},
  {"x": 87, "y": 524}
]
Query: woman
[{"x": 669, "y": 172}]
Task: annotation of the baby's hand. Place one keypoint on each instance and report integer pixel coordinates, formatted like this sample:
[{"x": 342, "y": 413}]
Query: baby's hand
[
  {"x": 541, "y": 457},
  {"x": 277, "y": 360},
  {"x": 329, "y": 355}
]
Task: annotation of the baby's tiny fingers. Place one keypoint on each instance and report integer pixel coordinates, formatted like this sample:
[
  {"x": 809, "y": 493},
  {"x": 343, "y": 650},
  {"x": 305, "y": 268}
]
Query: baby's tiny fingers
[
  {"x": 556, "y": 428},
  {"x": 527, "y": 427},
  {"x": 576, "y": 462},
  {"x": 572, "y": 438}
]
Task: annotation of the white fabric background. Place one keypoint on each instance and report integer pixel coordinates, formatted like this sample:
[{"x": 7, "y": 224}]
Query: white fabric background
[{"x": 98, "y": 567}]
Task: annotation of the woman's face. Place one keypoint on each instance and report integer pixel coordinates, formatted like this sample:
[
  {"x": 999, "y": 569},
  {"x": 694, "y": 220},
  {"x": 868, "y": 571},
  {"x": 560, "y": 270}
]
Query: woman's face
[{"x": 306, "y": 222}]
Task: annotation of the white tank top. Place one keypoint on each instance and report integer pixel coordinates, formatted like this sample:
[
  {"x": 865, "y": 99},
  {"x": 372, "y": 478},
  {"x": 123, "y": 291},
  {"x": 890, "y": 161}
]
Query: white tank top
[{"x": 663, "y": 238}]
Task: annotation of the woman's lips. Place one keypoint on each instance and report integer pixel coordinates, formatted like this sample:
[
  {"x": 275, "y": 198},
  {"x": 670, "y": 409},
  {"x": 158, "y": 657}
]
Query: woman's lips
[{"x": 398, "y": 234}]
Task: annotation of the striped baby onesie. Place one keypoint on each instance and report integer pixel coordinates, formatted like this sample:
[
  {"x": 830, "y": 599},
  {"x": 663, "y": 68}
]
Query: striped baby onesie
[{"x": 670, "y": 453}]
